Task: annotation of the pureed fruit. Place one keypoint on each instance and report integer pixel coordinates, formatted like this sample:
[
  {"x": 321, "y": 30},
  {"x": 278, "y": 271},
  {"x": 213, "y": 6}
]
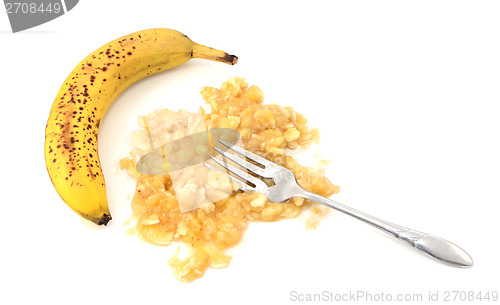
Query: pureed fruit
[{"x": 210, "y": 231}]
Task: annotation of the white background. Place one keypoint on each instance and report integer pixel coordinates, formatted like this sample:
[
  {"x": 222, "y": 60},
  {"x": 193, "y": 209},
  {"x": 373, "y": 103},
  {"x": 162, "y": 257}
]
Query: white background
[{"x": 405, "y": 94}]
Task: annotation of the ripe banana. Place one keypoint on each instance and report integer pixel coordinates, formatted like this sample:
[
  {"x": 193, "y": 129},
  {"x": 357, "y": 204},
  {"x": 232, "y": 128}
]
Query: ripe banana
[{"x": 71, "y": 153}]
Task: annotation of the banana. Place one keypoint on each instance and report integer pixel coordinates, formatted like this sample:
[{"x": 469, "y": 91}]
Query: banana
[{"x": 71, "y": 152}]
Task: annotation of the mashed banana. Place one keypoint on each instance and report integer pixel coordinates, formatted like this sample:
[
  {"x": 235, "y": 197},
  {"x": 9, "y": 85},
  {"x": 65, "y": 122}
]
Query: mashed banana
[{"x": 267, "y": 130}]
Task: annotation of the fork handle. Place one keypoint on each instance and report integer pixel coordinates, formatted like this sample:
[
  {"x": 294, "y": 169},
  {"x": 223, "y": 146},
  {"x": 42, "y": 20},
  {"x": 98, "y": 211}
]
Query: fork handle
[{"x": 434, "y": 246}]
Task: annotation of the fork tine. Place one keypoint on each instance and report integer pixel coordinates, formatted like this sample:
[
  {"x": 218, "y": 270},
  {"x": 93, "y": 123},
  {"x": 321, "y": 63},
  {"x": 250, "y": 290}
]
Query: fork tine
[
  {"x": 262, "y": 161},
  {"x": 241, "y": 162},
  {"x": 243, "y": 186},
  {"x": 259, "y": 184}
]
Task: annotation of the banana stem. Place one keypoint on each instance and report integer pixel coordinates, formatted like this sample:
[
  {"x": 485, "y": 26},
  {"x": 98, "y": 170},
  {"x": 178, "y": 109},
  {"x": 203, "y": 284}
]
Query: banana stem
[{"x": 201, "y": 51}]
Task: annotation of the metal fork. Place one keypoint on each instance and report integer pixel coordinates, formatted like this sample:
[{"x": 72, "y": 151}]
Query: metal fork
[{"x": 286, "y": 187}]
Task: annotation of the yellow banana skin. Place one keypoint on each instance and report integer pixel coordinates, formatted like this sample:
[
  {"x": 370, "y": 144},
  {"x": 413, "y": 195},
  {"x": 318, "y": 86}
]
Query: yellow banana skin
[{"x": 71, "y": 152}]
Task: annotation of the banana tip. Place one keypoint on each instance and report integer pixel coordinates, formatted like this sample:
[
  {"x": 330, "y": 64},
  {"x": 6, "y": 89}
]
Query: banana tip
[
  {"x": 105, "y": 218},
  {"x": 233, "y": 60}
]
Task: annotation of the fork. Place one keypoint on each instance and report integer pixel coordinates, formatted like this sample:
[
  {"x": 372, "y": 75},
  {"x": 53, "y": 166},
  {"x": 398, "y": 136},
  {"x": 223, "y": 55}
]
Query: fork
[{"x": 285, "y": 187}]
